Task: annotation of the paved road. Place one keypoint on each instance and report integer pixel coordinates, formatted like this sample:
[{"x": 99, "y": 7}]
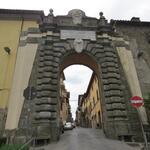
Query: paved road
[{"x": 86, "y": 139}]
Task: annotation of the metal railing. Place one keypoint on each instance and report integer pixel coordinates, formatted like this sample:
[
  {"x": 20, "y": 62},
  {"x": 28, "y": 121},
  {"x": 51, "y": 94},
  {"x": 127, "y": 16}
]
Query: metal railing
[{"x": 27, "y": 143}]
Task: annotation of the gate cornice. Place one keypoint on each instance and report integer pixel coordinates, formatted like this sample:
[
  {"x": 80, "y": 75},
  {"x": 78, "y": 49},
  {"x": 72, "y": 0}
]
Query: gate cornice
[{"x": 76, "y": 20}]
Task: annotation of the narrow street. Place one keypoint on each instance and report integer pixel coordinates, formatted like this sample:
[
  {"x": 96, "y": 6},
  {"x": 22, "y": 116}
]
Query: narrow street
[{"x": 86, "y": 139}]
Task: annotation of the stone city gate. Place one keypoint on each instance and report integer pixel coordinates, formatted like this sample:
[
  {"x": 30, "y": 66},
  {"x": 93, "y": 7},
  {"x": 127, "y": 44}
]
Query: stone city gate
[{"x": 71, "y": 39}]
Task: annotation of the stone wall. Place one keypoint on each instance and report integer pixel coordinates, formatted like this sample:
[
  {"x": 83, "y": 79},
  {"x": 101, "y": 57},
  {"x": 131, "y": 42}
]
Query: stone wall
[
  {"x": 2, "y": 120},
  {"x": 138, "y": 36}
]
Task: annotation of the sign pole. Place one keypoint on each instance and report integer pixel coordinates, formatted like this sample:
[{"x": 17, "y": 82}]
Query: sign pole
[
  {"x": 136, "y": 102},
  {"x": 144, "y": 135}
]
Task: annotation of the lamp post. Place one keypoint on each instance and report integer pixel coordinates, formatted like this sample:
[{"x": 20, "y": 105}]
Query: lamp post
[{"x": 7, "y": 49}]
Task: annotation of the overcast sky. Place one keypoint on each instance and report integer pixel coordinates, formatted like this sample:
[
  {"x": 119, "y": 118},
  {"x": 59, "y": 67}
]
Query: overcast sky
[
  {"x": 77, "y": 77},
  {"x": 113, "y": 9}
]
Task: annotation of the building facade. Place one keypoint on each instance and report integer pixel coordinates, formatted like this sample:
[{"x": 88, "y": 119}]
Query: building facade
[
  {"x": 65, "y": 111},
  {"x": 36, "y": 48},
  {"x": 78, "y": 118},
  {"x": 12, "y": 24},
  {"x": 90, "y": 106}
]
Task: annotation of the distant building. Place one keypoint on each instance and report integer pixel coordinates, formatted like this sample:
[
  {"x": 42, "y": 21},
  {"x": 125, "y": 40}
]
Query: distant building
[
  {"x": 14, "y": 69},
  {"x": 65, "y": 109},
  {"x": 79, "y": 112},
  {"x": 89, "y": 105}
]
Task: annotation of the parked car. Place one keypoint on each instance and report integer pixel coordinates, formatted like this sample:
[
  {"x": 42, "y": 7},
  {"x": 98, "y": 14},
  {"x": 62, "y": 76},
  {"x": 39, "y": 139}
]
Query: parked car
[
  {"x": 73, "y": 125},
  {"x": 68, "y": 126}
]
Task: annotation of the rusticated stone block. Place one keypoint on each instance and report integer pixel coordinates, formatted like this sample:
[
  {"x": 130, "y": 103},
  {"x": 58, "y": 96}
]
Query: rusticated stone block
[
  {"x": 55, "y": 64},
  {"x": 110, "y": 54},
  {"x": 111, "y": 75},
  {"x": 97, "y": 50},
  {"x": 40, "y": 70},
  {"x": 43, "y": 131},
  {"x": 39, "y": 76},
  {"x": 119, "y": 113},
  {"x": 111, "y": 81},
  {"x": 60, "y": 49},
  {"x": 99, "y": 56},
  {"x": 45, "y": 115},
  {"x": 24, "y": 33},
  {"x": 33, "y": 39},
  {"x": 114, "y": 99},
  {"x": 33, "y": 30},
  {"x": 122, "y": 127},
  {"x": 46, "y": 107},
  {"x": 113, "y": 93},
  {"x": 45, "y": 80},
  {"x": 47, "y": 87},
  {"x": 56, "y": 59},
  {"x": 41, "y": 65},
  {"x": 112, "y": 87},
  {"x": 110, "y": 114},
  {"x": 121, "y": 44},
  {"x": 116, "y": 114},
  {"x": 46, "y": 100},
  {"x": 41, "y": 55},
  {"x": 118, "y": 106},
  {"x": 120, "y": 119},
  {"x": 48, "y": 57},
  {"x": 47, "y": 94},
  {"x": 54, "y": 81},
  {"x": 110, "y": 69},
  {"x": 48, "y": 63},
  {"x": 41, "y": 59},
  {"x": 109, "y": 49},
  {"x": 41, "y": 47},
  {"x": 57, "y": 54},
  {"x": 50, "y": 75},
  {"x": 109, "y": 59},
  {"x": 48, "y": 47},
  {"x": 50, "y": 69},
  {"x": 115, "y": 106},
  {"x": 109, "y": 64},
  {"x": 40, "y": 82},
  {"x": 109, "y": 106}
]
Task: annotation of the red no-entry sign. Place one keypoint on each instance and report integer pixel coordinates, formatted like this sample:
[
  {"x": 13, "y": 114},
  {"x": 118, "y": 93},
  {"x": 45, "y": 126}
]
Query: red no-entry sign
[{"x": 136, "y": 101}]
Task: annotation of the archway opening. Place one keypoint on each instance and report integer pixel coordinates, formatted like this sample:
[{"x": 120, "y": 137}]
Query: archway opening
[{"x": 80, "y": 78}]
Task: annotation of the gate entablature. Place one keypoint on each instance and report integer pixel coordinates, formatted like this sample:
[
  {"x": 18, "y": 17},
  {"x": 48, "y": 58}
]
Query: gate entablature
[{"x": 77, "y": 20}]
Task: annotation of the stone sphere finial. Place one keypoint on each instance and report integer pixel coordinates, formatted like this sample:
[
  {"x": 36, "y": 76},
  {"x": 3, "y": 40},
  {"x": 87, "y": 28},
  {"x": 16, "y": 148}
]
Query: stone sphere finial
[
  {"x": 102, "y": 20},
  {"x": 101, "y": 14},
  {"x": 51, "y": 12}
]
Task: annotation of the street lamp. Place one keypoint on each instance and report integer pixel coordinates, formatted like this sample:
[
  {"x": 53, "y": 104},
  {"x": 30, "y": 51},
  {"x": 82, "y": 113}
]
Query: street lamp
[{"x": 7, "y": 49}]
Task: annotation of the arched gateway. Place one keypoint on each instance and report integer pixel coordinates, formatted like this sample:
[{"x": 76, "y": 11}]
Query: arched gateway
[{"x": 77, "y": 39}]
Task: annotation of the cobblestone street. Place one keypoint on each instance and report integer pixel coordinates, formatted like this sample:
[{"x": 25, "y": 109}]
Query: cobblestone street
[{"x": 86, "y": 139}]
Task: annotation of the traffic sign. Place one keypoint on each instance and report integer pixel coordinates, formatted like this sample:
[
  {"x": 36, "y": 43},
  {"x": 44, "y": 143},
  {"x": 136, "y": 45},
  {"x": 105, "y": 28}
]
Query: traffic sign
[
  {"x": 137, "y": 101},
  {"x": 29, "y": 93}
]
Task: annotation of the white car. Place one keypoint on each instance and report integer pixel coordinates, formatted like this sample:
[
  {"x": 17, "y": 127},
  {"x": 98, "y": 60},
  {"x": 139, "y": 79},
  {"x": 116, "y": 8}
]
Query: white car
[{"x": 68, "y": 126}]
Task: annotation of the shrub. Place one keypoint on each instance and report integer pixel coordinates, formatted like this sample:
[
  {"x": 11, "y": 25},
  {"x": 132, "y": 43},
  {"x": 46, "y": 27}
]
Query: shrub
[{"x": 13, "y": 147}]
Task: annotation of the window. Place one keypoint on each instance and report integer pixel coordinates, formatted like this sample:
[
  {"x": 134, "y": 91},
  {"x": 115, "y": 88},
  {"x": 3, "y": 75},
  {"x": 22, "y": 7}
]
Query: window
[
  {"x": 94, "y": 101},
  {"x": 97, "y": 95}
]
